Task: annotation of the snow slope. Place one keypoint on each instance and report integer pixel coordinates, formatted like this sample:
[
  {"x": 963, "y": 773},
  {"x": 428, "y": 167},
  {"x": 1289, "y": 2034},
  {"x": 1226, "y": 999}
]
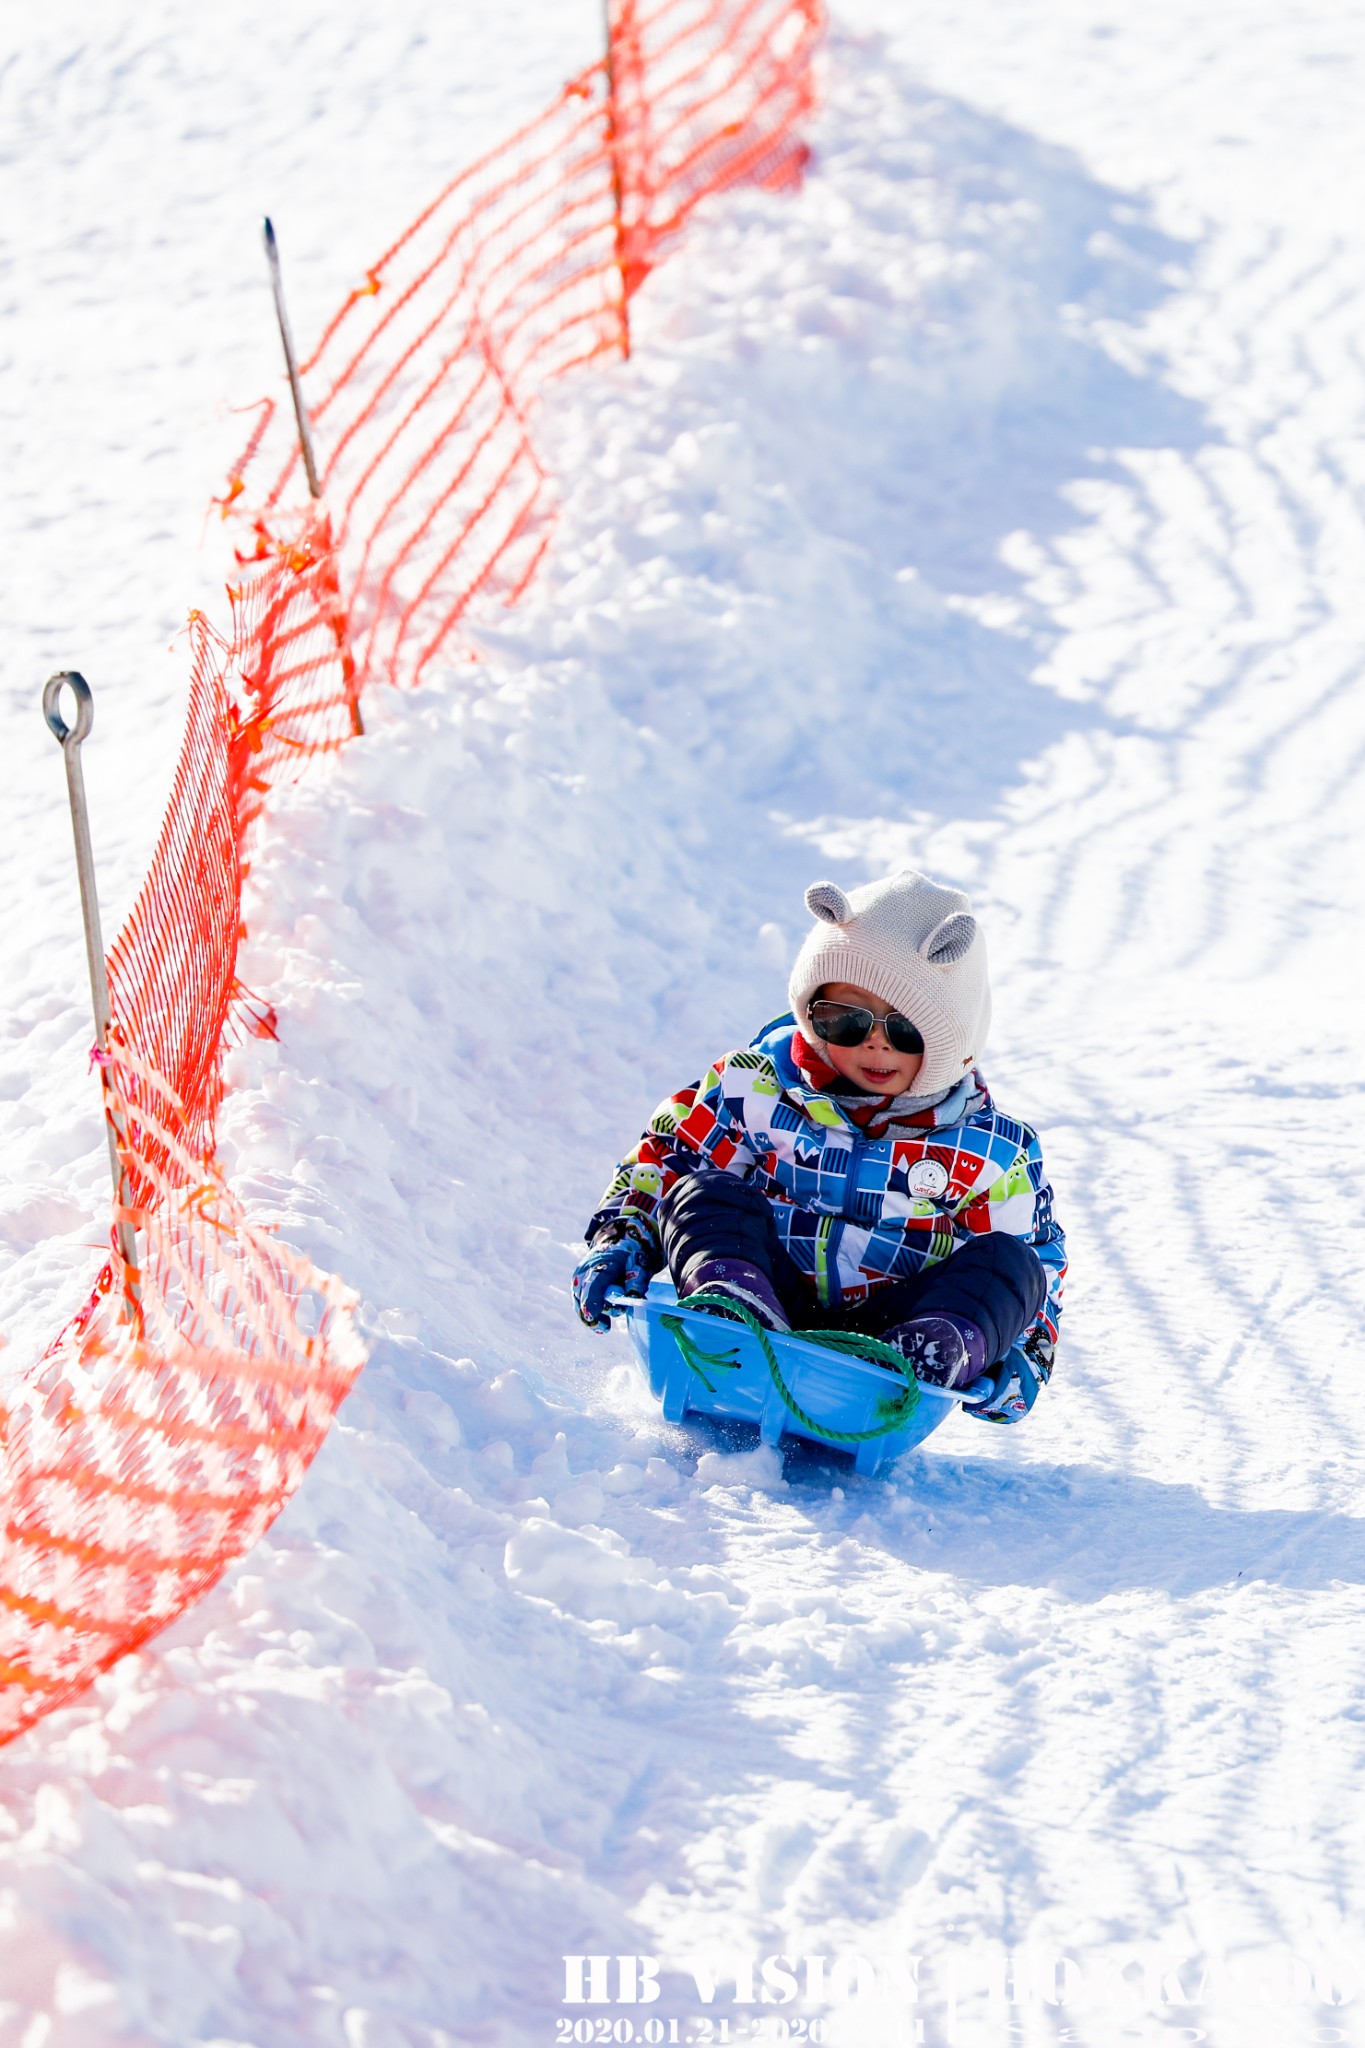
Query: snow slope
[{"x": 995, "y": 504}]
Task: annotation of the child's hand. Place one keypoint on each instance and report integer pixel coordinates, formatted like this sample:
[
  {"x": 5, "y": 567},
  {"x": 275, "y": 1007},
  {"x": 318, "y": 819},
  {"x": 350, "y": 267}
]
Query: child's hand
[
  {"x": 1018, "y": 1382},
  {"x": 623, "y": 1264}
]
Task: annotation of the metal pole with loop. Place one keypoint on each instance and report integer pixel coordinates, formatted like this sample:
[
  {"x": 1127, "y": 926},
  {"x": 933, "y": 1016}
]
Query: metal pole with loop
[
  {"x": 338, "y": 623},
  {"x": 70, "y": 738}
]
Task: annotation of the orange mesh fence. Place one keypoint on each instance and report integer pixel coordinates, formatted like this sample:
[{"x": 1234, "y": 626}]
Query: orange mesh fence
[
  {"x": 145, "y": 1455},
  {"x": 706, "y": 94},
  {"x": 422, "y": 390},
  {"x": 170, "y": 1421},
  {"x": 174, "y": 1416},
  {"x": 418, "y": 391},
  {"x": 274, "y": 692}
]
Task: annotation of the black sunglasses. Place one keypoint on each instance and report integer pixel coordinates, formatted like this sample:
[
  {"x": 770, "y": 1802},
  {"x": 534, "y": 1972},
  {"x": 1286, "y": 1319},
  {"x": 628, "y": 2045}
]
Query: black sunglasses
[{"x": 849, "y": 1024}]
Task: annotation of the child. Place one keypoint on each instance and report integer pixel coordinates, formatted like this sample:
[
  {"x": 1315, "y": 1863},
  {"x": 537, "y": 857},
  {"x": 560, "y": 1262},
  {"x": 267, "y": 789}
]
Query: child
[{"x": 849, "y": 1170}]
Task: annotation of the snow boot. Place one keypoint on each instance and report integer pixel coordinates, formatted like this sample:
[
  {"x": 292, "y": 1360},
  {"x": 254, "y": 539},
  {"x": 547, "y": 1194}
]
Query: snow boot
[
  {"x": 744, "y": 1283},
  {"x": 941, "y": 1350}
]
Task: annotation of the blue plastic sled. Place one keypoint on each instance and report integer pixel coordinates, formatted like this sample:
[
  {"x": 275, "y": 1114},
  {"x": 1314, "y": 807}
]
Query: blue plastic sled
[{"x": 701, "y": 1364}]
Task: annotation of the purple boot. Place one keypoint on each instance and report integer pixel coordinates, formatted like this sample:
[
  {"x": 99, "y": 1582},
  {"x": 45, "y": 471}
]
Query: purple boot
[
  {"x": 746, "y": 1284},
  {"x": 941, "y": 1350}
]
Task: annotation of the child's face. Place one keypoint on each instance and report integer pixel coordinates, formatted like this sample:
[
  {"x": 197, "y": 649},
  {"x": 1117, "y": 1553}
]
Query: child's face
[{"x": 875, "y": 1064}]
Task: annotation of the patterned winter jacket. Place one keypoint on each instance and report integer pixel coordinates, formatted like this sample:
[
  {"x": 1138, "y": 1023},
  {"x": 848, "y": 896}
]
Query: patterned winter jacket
[{"x": 858, "y": 1200}]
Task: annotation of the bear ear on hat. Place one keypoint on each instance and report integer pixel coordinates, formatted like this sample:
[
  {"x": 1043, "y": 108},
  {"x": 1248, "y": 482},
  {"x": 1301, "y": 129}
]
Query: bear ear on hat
[
  {"x": 827, "y": 900},
  {"x": 950, "y": 939}
]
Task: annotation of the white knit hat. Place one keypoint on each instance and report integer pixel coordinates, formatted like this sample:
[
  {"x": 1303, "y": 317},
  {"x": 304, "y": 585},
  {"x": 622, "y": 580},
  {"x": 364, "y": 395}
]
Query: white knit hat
[{"x": 914, "y": 943}]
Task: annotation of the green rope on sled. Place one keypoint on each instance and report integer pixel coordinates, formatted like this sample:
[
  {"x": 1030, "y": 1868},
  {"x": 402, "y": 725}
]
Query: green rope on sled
[
  {"x": 695, "y": 1358},
  {"x": 895, "y": 1411}
]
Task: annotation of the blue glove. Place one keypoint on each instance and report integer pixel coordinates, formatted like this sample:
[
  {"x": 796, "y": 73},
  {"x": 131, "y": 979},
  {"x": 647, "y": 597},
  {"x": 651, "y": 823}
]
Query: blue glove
[
  {"x": 1018, "y": 1383},
  {"x": 625, "y": 1264}
]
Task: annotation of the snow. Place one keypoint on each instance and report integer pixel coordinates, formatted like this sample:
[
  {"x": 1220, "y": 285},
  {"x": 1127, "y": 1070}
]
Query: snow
[{"x": 996, "y": 504}]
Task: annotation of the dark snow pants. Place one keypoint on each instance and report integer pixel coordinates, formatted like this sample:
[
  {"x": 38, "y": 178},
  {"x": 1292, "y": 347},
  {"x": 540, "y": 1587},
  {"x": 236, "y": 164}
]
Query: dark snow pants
[{"x": 995, "y": 1281}]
